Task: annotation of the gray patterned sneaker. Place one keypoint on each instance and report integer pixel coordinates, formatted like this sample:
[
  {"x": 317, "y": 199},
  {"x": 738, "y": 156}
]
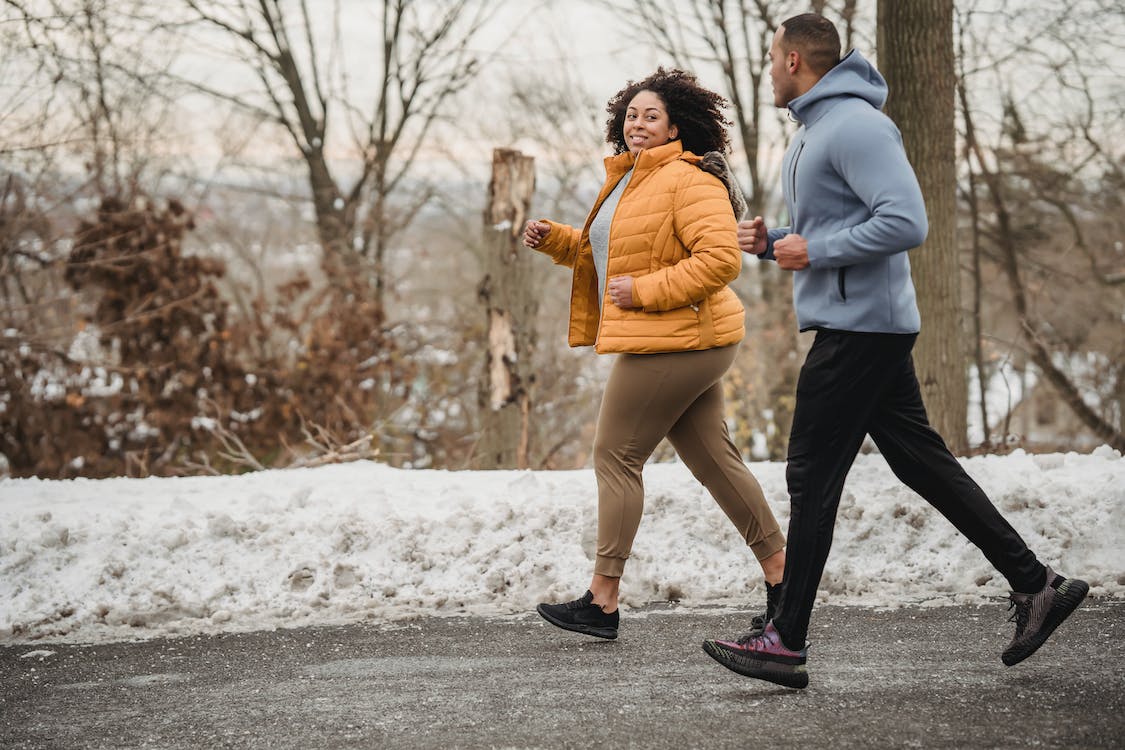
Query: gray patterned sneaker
[
  {"x": 581, "y": 616},
  {"x": 1037, "y": 615}
]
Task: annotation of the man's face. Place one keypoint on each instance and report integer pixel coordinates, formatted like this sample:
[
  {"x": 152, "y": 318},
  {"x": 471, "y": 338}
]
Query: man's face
[{"x": 784, "y": 83}]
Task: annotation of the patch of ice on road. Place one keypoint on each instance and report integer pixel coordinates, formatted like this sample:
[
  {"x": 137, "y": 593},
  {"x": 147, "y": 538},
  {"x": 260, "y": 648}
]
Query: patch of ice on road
[{"x": 40, "y": 654}]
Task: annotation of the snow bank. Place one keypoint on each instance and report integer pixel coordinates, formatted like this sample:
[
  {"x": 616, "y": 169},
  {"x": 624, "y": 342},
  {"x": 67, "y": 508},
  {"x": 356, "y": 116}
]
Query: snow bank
[{"x": 89, "y": 560}]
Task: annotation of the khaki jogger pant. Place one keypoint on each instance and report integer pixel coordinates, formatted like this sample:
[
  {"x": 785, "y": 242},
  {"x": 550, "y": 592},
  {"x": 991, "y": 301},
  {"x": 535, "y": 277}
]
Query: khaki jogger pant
[{"x": 678, "y": 395}]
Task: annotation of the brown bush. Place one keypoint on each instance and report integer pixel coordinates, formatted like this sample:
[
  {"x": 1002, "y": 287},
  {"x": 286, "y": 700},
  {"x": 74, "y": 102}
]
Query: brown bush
[{"x": 178, "y": 385}]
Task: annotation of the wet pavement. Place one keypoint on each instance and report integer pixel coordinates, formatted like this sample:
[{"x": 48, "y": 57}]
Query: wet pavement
[{"x": 918, "y": 677}]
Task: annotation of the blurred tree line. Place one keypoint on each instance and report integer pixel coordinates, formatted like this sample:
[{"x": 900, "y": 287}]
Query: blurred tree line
[{"x": 228, "y": 241}]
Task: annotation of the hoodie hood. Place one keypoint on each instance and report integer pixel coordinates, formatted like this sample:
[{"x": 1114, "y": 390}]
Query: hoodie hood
[
  {"x": 853, "y": 76},
  {"x": 851, "y": 193}
]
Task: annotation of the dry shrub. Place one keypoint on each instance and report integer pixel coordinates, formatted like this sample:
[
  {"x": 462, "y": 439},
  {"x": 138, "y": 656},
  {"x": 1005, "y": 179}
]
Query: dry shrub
[{"x": 167, "y": 382}]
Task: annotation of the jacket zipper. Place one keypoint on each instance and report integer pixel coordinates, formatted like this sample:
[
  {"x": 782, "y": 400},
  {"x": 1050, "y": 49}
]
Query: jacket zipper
[
  {"x": 840, "y": 283},
  {"x": 594, "y": 212},
  {"x": 793, "y": 186}
]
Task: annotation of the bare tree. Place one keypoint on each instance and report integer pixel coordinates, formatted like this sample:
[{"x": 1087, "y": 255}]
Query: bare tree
[
  {"x": 1044, "y": 182},
  {"x": 78, "y": 123},
  {"x": 424, "y": 56},
  {"x": 105, "y": 89},
  {"x": 1038, "y": 340}
]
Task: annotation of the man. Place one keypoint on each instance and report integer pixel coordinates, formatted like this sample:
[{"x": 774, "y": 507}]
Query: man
[{"x": 855, "y": 209}]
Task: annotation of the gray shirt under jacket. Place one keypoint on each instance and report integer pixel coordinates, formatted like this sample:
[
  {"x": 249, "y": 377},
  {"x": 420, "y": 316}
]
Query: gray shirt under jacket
[{"x": 599, "y": 232}]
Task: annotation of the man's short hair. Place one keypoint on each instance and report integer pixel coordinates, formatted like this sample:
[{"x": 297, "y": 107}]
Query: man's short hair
[{"x": 816, "y": 38}]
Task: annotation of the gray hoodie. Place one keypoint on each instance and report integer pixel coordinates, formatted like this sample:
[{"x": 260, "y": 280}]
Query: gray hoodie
[{"x": 852, "y": 194}]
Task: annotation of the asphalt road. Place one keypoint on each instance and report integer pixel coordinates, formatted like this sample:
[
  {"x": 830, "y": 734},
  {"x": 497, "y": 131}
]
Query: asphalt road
[{"x": 927, "y": 678}]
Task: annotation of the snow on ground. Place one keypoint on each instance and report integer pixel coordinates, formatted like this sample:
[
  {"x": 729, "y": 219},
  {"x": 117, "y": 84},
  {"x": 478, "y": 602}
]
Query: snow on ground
[{"x": 95, "y": 560}]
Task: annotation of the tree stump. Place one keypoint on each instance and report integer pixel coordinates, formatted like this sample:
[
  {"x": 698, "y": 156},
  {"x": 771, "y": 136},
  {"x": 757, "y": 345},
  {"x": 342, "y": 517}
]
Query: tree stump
[{"x": 508, "y": 296}]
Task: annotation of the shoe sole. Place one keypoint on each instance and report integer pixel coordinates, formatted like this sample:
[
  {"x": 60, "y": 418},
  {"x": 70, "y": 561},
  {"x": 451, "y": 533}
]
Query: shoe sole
[
  {"x": 608, "y": 633},
  {"x": 1067, "y": 598},
  {"x": 787, "y": 675}
]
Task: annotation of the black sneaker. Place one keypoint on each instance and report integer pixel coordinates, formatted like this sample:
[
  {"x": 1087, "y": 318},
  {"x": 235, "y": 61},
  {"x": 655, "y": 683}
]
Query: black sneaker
[
  {"x": 581, "y": 616},
  {"x": 1037, "y": 615},
  {"x": 758, "y": 622}
]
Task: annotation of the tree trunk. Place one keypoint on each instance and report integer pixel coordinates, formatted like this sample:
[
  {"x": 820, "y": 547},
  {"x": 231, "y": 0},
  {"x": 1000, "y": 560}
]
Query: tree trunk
[
  {"x": 507, "y": 293},
  {"x": 915, "y": 42},
  {"x": 983, "y": 372},
  {"x": 783, "y": 364}
]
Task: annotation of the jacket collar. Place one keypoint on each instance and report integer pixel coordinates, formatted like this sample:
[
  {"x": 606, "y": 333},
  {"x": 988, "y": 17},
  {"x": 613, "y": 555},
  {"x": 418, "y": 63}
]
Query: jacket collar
[{"x": 648, "y": 159}]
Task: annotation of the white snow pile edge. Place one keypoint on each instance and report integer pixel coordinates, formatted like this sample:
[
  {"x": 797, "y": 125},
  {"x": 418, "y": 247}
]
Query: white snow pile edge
[{"x": 113, "y": 559}]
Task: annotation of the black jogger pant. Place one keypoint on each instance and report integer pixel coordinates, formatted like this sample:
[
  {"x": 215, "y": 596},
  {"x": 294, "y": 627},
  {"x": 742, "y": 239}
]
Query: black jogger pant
[{"x": 851, "y": 385}]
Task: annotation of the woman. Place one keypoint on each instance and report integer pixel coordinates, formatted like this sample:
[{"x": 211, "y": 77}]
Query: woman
[{"x": 651, "y": 268}]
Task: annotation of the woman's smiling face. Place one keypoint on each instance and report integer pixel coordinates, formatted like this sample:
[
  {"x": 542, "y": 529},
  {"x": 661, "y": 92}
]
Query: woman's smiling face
[{"x": 646, "y": 123}]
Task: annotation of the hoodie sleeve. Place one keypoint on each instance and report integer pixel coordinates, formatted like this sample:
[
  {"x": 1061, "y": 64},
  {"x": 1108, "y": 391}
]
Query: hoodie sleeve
[
  {"x": 869, "y": 156},
  {"x": 704, "y": 221},
  {"x": 772, "y": 236},
  {"x": 561, "y": 243}
]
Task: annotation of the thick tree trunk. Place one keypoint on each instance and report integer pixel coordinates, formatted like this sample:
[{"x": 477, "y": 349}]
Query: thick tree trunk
[
  {"x": 507, "y": 294},
  {"x": 916, "y": 56}
]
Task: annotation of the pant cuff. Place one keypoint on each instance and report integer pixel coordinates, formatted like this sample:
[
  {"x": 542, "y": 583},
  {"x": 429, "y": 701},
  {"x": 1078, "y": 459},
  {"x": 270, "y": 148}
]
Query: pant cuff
[
  {"x": 1041, "y": 581},
  {"x": 611, "y": 567},
  {"x": 771, "y": 544}
]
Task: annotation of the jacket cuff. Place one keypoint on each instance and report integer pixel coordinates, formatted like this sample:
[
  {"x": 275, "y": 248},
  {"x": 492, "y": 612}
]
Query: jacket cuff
[
  {"x": 553, "y": 237},
  {"x": 817, "y": 256},
  {"x": 642, "y": 291}
]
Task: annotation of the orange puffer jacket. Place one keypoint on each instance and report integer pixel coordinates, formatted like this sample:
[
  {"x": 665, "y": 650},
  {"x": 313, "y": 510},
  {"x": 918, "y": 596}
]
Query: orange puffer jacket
[{"x": 674, "y": 232}]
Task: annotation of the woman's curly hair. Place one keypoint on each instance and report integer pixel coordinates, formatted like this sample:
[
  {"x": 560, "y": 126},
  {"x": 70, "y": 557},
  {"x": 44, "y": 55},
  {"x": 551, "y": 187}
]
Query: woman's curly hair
[{"x": 694, "y": 110}]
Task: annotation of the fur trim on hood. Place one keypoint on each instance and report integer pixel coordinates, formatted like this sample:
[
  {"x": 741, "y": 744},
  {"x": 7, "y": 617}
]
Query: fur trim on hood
[{"x": 715, "y": 163}]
